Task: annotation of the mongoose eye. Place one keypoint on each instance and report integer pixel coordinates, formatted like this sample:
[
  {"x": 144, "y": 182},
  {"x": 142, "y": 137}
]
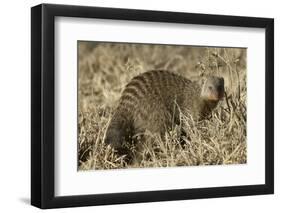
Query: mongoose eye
[{"x": 210, "y": 88}]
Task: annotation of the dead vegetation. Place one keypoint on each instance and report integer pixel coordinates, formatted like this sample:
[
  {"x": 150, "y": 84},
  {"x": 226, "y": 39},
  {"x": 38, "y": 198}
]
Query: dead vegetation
[{"x": 104, "y": 70}]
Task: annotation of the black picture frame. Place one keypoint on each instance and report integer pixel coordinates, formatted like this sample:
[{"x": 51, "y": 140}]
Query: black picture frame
[{"x": 43, "y": 102}]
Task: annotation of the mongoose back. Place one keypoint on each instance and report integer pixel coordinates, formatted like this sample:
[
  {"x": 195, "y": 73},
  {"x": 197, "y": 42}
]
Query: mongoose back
[{"x": 152, "y": 101}]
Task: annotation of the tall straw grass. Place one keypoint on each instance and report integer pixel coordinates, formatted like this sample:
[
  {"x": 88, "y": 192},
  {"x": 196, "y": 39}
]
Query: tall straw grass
[{"x": 104, "y": 70}]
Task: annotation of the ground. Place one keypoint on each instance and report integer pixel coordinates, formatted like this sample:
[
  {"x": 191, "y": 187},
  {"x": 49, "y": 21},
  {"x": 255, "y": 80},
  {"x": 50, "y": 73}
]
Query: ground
[{"x": 105, "y": 68}]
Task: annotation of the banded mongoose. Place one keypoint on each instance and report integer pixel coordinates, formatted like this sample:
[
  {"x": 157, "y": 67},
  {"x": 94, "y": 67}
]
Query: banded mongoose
[{"x": 152, "y": 101}]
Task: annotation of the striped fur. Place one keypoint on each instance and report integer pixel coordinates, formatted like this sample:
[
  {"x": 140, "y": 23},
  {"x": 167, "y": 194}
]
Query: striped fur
[{"x": 152, "y": 100}]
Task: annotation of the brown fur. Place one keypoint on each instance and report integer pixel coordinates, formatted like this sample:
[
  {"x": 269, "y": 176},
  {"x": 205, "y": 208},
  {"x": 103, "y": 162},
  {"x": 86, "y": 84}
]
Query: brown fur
[{"x": 153, "y": 101}]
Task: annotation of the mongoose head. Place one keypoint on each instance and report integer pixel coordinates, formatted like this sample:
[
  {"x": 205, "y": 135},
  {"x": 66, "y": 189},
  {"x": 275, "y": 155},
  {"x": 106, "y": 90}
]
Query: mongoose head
[{"x": 213, "y": 89}]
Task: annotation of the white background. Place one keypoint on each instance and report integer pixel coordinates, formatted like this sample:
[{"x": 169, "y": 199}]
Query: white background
[
  {"x": 70, "y": 182},
  {"x": 15, "y": 106}
]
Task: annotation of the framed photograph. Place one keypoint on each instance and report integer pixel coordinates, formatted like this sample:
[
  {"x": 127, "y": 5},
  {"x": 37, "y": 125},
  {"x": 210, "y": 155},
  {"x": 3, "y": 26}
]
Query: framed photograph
[{"x": 139, "y": 106}]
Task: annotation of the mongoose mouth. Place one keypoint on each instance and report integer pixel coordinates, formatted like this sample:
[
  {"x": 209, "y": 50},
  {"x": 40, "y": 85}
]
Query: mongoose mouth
[{"x": 215, "y": 96}]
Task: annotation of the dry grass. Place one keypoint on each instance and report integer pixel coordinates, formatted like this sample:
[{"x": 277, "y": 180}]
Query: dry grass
[{"x": 104, "y": 70}]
